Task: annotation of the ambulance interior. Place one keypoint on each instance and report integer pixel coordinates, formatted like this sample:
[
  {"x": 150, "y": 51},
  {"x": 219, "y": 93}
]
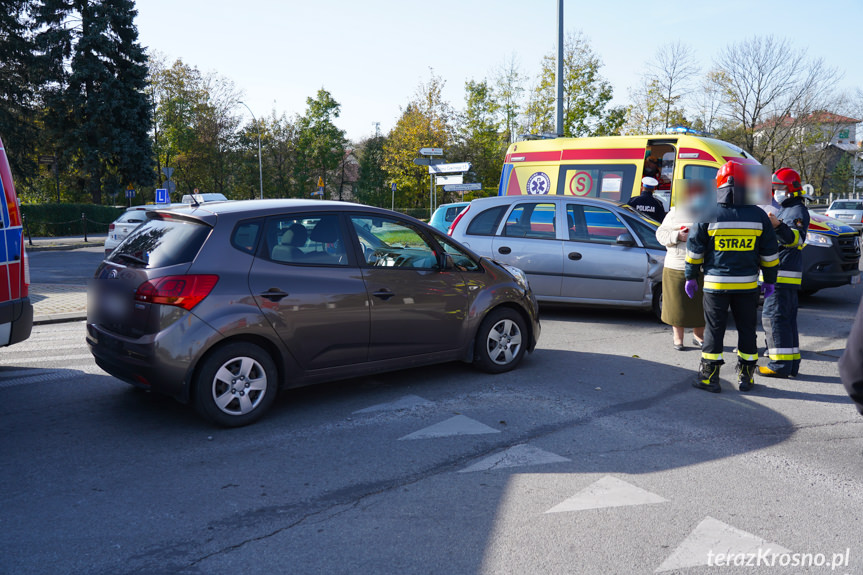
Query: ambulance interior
[{"x": 665, "y": 153}]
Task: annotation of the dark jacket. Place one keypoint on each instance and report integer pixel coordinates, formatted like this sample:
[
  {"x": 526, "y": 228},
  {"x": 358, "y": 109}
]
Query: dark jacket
[
  {"x": 851, "y": 362},
  {"x": 649, "y": 206},
  {"x": 791, "y": 234},
  {"x": 733, "y": 248}
]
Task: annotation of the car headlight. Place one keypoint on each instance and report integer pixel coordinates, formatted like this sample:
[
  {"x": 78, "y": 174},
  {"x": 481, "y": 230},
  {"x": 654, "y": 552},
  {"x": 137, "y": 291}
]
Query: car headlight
[
  {"x": 517, "y": 274},
  {"x": 819, "y": 240}
]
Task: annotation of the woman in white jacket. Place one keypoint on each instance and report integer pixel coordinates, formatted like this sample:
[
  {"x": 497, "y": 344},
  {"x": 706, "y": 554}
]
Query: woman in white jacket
[{"x": 678, "y": 310}]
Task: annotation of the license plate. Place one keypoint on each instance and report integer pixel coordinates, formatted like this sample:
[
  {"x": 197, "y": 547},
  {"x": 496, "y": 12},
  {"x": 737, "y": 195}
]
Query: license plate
[
  {"x": 115, "y": 305},
  {"x": 855, "y": 279}
]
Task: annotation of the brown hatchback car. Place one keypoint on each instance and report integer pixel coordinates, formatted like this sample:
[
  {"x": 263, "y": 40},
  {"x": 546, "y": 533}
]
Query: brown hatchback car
[{"x": 223, "y": 304}]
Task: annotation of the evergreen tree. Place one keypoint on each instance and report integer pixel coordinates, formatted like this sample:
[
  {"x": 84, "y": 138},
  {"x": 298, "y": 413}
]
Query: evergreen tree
[
  {"x": 98, "y": 113},
  {"x": 372, "y": 187}
]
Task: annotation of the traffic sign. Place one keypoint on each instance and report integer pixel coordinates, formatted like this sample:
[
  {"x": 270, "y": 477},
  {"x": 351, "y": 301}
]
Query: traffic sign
[
  {"x": 162, "y": 196},
  {"x": 168, "y": 172},
  {"x": 428, "y": 161},
  {"x": 449, "y": 168},
  {"x": 462, "y": 187},
  {"x": 46, "y": 159},
  {"x": 130, "y": 193},
  {"x": 444, "y": 180},
  {"x": 431, "y": 152},
  {"x": 393, "y": 187},
  {"x": 320, "y": 182},
  {"x": 171, "y": 185}
]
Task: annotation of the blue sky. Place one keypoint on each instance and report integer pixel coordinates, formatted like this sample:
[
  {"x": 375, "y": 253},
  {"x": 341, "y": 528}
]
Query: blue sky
[{"x": 372, "y": 54}]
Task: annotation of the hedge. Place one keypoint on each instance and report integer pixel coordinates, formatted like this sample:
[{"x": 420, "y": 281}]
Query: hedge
[{"x": 65, "y": 219}]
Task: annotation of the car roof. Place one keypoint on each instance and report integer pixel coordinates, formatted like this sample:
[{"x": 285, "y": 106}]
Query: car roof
[{"x": 512, "y": 199}]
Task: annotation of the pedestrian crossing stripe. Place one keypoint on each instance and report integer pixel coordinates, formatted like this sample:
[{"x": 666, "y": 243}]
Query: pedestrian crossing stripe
[{"x": 607, "y": 492}]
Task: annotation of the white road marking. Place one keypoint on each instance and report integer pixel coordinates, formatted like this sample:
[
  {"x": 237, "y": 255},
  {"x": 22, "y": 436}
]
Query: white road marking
[
  {"x": 458, "y": 425},
  {"x": 406, "y": 402},
  {"x": 516, "y": 456},
  {"x": 50, "y": 358},
  {"x": 712, "y": 537},
  {"x": 607, "y": 492}
]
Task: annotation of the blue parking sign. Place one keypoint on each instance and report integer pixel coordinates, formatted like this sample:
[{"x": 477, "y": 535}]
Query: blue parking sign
[{"x": 162, "y": 196}]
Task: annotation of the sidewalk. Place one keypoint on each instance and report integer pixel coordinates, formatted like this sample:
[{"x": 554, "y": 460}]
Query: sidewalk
[
  {"x": 54, "y": 303},
  {"x": 65, "y": 243}
]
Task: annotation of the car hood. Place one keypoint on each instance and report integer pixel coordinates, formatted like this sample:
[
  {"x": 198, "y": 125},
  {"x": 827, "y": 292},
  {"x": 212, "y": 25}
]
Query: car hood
[{"x": 821, "y": 224}]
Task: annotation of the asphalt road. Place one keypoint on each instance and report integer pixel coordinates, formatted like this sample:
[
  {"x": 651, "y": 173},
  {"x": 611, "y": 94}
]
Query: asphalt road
[
  {"x": 596, "y": 456},
  {"x": 65, "y": 267}
]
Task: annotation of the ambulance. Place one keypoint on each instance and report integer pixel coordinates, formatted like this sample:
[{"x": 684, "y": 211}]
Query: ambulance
[
  {"x": 612, "y": 167},
  {"x": 16, "y": 311}
]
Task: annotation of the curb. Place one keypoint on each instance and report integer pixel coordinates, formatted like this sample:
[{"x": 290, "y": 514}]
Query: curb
[
  {"x": 62, "y": 247},
  {"x": 59, "y": 318}
]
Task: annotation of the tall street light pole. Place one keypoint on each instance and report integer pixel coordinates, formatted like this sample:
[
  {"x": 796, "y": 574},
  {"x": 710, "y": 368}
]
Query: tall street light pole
[
  {"x": 260, "y": 161},
  {"x": 559, "y": 71}
]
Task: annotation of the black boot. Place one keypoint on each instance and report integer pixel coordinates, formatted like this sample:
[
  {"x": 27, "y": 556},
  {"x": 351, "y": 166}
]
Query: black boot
[
  {"x": 745, "y": 375},
  {"x": 708, "y": 376}
]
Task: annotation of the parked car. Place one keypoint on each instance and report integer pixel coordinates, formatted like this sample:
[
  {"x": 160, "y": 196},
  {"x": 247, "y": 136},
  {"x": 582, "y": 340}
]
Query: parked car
[
  {"x": 443, "y": 217},
  {"x": 849, "y": 212},
  {"x": 831, "y": 255},
  {"x": 16, "y": 311},
  {"x": 573, "y": 249},
  {"x": 203, "y": 198},
  {"x": 133, "y": 217},
  {"x": 224, "y": 304}
]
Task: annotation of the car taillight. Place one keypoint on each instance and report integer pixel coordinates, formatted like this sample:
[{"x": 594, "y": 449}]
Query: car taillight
[
  {"x": 110, "y": 228},
  {"x": 185, "y": 291},
  {"x": 456, "y": 220}
]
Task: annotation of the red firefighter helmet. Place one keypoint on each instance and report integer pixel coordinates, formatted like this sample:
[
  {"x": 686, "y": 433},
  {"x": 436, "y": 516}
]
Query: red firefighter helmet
[
  {"x": 732, "y": 173},
  {"x": 790, "y": 179}
]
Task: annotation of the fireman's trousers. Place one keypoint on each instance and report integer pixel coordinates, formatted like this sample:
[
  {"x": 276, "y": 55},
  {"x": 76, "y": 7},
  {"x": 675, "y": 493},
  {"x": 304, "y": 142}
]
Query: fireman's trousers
[
  {"x": 744, "y": 309},
  {"x": 779, "y": 318}
]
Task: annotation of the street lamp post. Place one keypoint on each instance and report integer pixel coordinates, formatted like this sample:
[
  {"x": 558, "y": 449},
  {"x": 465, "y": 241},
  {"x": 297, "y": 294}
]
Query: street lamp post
[{"x": 260, "y": 161}]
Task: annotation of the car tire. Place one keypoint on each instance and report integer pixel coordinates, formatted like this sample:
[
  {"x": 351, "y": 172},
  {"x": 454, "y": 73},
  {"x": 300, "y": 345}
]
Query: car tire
[
  {"x": 236, "y": 384},
  {"x": 500, "y": 341},
  {"x": 657, "y": 302}
]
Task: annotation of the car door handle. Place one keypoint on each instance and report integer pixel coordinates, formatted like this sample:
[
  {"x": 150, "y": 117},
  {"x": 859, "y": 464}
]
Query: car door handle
[
  {"x": 575, "y": 256},
  {"x": 274, "y": 294},
  {"x": 384, "y": 294},
  {"x": 504, "y": 250}
]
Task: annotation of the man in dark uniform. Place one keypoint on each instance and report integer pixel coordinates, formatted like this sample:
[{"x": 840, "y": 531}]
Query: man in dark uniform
[
  {"x": 779, "y": 315},
  {"x": 732, "y": 249},
  {"x": 851, "y": 362},
  {"x": 646, "y": 203}
]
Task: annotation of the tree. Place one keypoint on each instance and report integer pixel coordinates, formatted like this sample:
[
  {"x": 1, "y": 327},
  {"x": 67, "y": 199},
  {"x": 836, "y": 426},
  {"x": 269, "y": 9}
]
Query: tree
[
  {"x": 372, "y": 187},
  {"x": 425, "y": 122},
  {"x": 586, "y": 94},
  {"x": 481, "y": 141},
  {"x": 509, "y": 85},
  {"x": 768, "y": 85},
  {"x": 671, "y": 71},
  {"x": 320, "y": 144},
  {"x": 644, "y": 113},
  {"x": 97, "y": 112}
]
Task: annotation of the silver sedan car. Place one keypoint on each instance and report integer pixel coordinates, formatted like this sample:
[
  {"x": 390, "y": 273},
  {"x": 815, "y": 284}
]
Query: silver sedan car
[
  {"x": 573, "y": 250},
  {"x": 850, "y": 212}
]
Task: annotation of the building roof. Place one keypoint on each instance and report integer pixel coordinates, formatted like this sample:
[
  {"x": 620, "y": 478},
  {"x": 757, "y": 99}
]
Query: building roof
[{"x": 818, "y": 117}]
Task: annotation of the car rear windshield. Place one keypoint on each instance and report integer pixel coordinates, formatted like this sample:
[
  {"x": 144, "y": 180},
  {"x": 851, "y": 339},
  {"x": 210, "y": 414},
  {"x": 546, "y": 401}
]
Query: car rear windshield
[
  {"x": 159, "y": 243},
  {"x": 847, "y": 206},
  {"x": 132, "y": 217}
]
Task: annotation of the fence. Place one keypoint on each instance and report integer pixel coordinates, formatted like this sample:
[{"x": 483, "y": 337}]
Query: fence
[{"x": 53, "y": 220}]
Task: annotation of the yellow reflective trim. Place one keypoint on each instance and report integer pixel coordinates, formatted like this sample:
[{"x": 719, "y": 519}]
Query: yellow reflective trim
[
  {"x": 731, "y": 286},
  {"x": 792, "y": 281},
  {"x": 769, "y": 264},
  {"x": 689, "y": 260},
  {"x": 797, "y": 356},
  {"x": 747, "y": 356},
  {"x": 783, "y": 357},
  {"x": 734, "y": 232},
  {"x": 796, "y": 240},
  {"x": 711, "y": 356}
]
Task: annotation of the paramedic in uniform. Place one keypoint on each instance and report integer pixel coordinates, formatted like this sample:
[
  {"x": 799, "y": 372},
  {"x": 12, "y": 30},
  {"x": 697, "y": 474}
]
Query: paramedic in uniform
[
  {"x": 646, "y": 203},
  {"x": 731, "y": 249},
  {"x": 779, "y": 315}
]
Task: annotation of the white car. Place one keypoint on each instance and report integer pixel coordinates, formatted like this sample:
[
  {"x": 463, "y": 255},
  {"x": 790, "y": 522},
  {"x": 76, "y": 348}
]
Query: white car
[
  {"x": 850, "y": 212},
  {"x": 131, "y": 219}
]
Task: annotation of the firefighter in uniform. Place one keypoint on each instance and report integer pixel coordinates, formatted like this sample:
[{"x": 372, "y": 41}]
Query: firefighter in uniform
[
  {"x": 732, "y": 248},
  {"x": 779, "y": 315}
]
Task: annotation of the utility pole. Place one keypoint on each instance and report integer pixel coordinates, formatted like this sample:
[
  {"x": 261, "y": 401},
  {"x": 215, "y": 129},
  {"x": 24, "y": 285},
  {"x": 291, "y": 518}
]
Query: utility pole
[{"x": 559, "y": 71}]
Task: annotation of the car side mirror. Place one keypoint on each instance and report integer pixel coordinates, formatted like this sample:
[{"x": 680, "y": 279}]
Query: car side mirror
[{"x": 625, "y": 240}]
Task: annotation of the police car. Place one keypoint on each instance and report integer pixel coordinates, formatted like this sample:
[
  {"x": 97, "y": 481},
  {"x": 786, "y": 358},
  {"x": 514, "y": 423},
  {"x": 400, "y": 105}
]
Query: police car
[{"x": 16, "y": 311}]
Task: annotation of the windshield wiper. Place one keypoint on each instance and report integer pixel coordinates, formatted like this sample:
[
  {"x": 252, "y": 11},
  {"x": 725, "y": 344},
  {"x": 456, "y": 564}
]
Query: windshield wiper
[{"x": 134, "y": 259}]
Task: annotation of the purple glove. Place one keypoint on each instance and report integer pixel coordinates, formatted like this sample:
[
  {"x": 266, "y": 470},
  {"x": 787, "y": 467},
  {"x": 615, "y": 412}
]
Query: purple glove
[
  {"x": 768, "y": 289},
  {"x": 690, "y": 288}
]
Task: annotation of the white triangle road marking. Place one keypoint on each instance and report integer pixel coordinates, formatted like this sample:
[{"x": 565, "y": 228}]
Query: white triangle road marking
[
  {"x": 713, "y": 542},
  {"x": 607, "y": 492},
  {"x": 516, "y": 456},
  {"x": 458, "y": 425},
  {"x": 406, "y": 402}
]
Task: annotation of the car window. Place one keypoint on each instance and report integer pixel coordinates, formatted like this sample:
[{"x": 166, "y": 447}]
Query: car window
[
  {"x": 451, "y": 213},
  {"x": 245, "y": 236},
  {"x": 593, "y": 224},
  {"x": 646, "y": 233},
  {"x": 133, "y": 217},
  {"x": 486, "y": 222},
  {"x": 461, "y": 259},
  {"x": 531, "y": 220},
  {"x": 390, "y": 243},
  {"x": 161, "y": 242},
  {"x": 695, "y": 172},
  {"x": 306, "y": 239}
]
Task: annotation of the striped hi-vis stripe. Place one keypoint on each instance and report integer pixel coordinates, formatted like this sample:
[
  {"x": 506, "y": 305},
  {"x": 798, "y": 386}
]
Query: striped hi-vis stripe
[
  {"x": 694, "y": 258},
  {"x": 747, "y": 356},
  {"x": 796, "y": 242},
  {"x": 783, "y": 353},
  {"x": 711, "y": 356},
  {"x": 791, "y": 278},
  {"x": 770, "y": 260},
  {"x": 734, "y": 229},
  {"x": 731, "y": 282}
]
